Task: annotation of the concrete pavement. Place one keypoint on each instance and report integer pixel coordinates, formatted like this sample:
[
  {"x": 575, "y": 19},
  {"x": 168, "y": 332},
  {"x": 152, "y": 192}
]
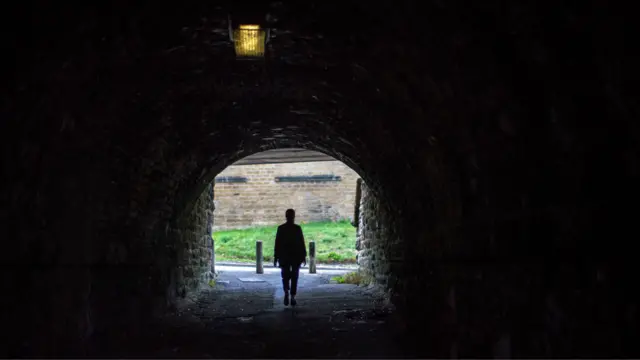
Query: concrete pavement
[{"x": 243, "y": 316}]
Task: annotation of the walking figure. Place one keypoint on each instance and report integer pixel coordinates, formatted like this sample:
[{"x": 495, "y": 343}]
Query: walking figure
[{"x": 290, "y": 252}]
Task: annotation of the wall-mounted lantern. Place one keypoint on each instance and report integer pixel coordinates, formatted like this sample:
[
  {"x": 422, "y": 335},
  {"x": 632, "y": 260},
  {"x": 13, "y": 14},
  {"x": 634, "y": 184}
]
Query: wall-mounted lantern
[{"x": 249, "y": 40}]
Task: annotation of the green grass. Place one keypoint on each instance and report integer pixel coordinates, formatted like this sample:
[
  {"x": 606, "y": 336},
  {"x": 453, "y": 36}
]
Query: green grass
[
  {"x": 335, "y": 242},
  {"x": 350, "y": 278}
]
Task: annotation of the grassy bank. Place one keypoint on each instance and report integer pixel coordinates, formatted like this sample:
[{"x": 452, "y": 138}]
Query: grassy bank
[{"x": 335, "y": 242}]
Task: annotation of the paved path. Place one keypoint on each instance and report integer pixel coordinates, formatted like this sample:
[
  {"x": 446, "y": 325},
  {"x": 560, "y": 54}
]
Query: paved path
[
  {"x": 349, "y": 267},
  {"x": 243, "y": 316}
]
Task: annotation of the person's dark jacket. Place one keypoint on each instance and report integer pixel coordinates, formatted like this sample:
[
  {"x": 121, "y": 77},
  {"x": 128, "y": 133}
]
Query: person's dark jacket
[{"x": 290, "y": 246}]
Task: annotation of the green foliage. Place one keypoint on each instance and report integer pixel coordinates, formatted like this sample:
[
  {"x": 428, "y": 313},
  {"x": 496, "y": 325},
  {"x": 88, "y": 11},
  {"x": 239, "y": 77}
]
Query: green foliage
[
  {"x": 335, "y": 257},
  {"x": 350, "y": 278},
  {"x": 335, "y": 242},
  {"x": 212, "y": 282}
]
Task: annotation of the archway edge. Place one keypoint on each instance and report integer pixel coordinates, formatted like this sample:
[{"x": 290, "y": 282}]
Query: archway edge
[{"x": 186, "y": 197}]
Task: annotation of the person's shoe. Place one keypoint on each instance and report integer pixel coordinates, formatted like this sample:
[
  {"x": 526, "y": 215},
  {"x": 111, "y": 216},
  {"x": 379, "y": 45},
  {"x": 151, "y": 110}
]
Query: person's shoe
[
  {"x": 286, "y": 299},
  {"x": 293, "y": 300}
]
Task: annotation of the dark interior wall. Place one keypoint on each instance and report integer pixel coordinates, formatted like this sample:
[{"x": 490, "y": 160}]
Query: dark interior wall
[{"x": 500, "y": 138}]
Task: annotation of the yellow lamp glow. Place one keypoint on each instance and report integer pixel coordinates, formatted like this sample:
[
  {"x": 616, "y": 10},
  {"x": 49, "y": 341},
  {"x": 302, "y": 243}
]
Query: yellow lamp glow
[{"x": 249, "y": 41}]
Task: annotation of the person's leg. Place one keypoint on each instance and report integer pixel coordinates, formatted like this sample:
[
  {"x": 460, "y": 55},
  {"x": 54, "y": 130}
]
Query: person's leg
[
  {"x": 285, "y": 270},
  {"x": 295, "y": 272}
]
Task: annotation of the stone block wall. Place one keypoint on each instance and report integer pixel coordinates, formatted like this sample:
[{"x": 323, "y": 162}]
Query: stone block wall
[
  {"x": 373, "y": 238},
  {"x": 175, "y": 259},
  {"x": 262, "y": 200},
  {"x": 191, "y": 242}
]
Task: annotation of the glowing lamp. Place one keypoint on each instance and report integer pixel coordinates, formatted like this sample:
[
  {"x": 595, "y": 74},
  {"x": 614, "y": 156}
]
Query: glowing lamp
[{"x": 249, "y": 41}]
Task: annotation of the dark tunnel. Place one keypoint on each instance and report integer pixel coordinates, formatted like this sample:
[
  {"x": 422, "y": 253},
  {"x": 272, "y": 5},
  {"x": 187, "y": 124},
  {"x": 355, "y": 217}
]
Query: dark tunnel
[{"x": 497, "y": 142}]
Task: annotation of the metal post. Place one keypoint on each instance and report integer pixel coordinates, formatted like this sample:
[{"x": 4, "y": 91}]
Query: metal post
[
  {"x": 259, "y": 267},
  {"x": 312, "y": 257}
]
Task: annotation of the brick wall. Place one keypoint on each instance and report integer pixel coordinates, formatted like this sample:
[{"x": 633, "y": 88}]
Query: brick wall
[{"x": 254, "y": 196}]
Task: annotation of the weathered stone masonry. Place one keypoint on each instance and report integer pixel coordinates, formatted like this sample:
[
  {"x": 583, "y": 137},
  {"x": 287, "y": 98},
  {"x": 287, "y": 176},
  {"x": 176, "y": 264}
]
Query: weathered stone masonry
[
  {"x": 500, "y": 141},
  {"x": 262, "y": 200},
  {"x": 375, "y": 239},
  {"x": 191, "y": 244},
  {"x": 183, "y": 245}
]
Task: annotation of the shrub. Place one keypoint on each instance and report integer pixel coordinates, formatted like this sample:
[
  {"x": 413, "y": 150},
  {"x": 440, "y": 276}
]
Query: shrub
[{"x": 350, "y": 278}]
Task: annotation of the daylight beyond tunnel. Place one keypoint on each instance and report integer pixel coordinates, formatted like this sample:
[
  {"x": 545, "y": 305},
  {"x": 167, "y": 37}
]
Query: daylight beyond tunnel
[
  {"x": 256, "y": 190},
  {"x": 251, "y": 197},
  {"x": 497, "y": 146}
]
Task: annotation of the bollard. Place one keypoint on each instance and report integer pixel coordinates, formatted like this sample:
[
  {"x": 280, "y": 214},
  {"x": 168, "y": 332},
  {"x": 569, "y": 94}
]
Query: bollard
[
  {"x": 259, "y": 267},
  {"x": 312, "y": 257}
]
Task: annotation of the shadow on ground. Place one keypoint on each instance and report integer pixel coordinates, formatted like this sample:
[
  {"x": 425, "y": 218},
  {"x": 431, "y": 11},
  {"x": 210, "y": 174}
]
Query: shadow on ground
[{"x": 243, "y": 316}]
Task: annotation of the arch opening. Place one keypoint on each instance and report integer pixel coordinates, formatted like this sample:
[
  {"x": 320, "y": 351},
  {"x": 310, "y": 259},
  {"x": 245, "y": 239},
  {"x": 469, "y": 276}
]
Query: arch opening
[
  {"x": 186, "y": 214},
  {"x": 180, "y": 242},
  {"x": 251, "y": 197}
]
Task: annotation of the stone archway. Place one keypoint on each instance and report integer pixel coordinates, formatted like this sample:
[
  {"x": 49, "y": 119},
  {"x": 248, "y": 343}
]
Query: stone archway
[{"x": 485, "y": 130}]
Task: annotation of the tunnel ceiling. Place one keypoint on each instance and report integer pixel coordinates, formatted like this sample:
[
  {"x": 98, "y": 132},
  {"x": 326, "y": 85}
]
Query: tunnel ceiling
[
  {"x": 277, "y": 156},
  {"x": 155, "y": 90}
]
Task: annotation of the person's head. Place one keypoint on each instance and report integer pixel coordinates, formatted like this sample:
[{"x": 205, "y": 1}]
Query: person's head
[{"x": 290, "y": 214}]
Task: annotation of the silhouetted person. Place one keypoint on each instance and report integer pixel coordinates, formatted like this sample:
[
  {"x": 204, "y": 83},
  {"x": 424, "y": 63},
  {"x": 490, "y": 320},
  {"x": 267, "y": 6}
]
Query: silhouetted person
[{"x": 290, "y": 252}]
